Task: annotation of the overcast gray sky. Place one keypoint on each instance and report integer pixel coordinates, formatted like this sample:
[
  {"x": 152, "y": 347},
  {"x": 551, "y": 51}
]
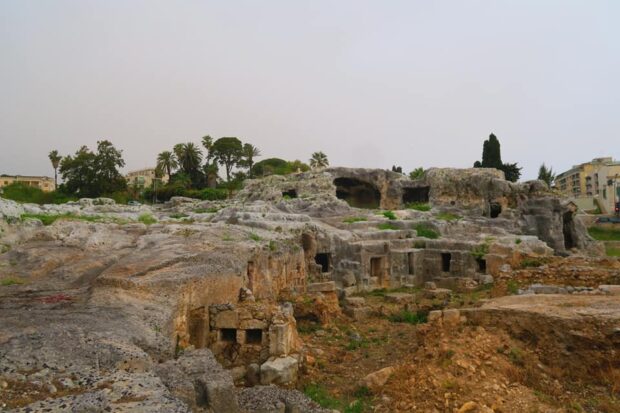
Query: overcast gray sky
[{"x": 370, "y": 83}]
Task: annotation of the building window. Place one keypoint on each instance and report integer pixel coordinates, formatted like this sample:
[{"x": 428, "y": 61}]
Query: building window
[
  {"x": 228, "y": 335},
  {"x": 254, "y": 336}
]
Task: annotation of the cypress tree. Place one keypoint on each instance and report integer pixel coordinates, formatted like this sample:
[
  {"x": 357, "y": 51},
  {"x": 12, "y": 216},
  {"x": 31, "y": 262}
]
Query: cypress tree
[{"x": 491, "y": 153}]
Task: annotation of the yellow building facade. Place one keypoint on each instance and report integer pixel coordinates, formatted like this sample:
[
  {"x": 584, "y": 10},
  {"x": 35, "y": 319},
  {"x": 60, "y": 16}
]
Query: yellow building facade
[
  {"x": 44, "y": 183},
  {"x": 592, "y": 184},
  {"x": 143, "y": 178}
]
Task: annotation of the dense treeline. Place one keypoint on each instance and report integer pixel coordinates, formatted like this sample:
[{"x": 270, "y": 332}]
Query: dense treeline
[{"x": 191, "y": 170}]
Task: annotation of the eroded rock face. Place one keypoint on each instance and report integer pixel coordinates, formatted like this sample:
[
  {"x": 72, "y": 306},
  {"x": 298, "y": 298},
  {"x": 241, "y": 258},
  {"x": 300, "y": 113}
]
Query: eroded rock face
[{"x": 139, "y": 305}]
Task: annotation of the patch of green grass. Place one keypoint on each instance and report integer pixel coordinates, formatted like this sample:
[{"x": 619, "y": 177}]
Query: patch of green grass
[
  {"x": 321, "y": 396},
  {"x": 531, "y": 262},
  {"x": 390, "y": 215},
  {"x": 147, "y": 219},
  {"x": 425, "y": 231},
  {"x": 418, "y": 206},
  {"x": 49, "y": 219},
  {"x": 516, "y": 356},
  {"x": 518, "y": 241},
  {"x": 357, "y": 344},
  {"x": 272, "y": 245},
  {"x": 255, "y": 237},
  {"x": 604, "y": 234},
  {"x": 178, "y": 215},
  {"x": 352, "y": 220},
  {"x": 513, "y": 287},
  {"x": 612, "y": 251},
  {"x": 10, "y": 281},
  {"x": 447, "y": 216},
  {"x": 409, "y": 317},
  {"x": 362, "y": 392},
  {"x": 384, "y": 226},
  {"x": 479, "y": 251},
  {"x": 357, "y": 406}
]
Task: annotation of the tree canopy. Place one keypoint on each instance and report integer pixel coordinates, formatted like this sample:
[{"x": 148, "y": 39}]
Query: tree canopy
[
  {"x": 546, "y": 174},
  {"x": 92, "y": 174},
  {"x": 228, "y": 152},
  {"x": 492, "y": 158},
  {"x": 319, "y": 160}
]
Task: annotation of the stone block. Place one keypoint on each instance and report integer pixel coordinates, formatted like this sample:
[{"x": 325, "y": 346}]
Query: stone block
[
  {"x": 399, "y": 298},
  {"x": 280, "y": 337},
  {"x": 437, "y": 293},
  {"x": 252, "y": 324},
  {"x": 610, "y": 289},
  {"x": 226, "y": 319},
  {"x": 282, "y": 370},
  {"x": 434, "y": 316},
  {"x": 354, "y": 302},
  {"x": 324, "y": 287},
  {"x": 358, "y": 313},
  {"x": 451, "y": 316}
]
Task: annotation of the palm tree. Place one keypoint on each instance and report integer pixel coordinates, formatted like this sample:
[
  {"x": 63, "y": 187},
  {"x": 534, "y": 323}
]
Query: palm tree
[
  {"x": 319, "y": 160},
  {"x": 207, "y": 142},
  {"x": 166, "y": 162},
  {"x": 249, "y": 153},
  {"x": 55, "y": 158},
  {"x": 189, "y": 157}
]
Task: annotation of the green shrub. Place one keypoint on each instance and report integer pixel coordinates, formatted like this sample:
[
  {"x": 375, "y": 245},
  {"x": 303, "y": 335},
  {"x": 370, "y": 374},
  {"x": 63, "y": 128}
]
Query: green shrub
[
  {"x": 512, "y": 287},
  {"x": 479, "y": 251},
  {"x": 390, "y": 215},
  {"x": 272, "y": 245},
  {"x": 410, "y": 317},
  {"x": 362, "y": 392},
  {"x": 19, "y": 192},
  {"x": 351, "y": 220},
  {"x": 425, "y": 231},
  {"x": 516, "y": 356},
  {"x": 147, "y": 219},
  {"x": 387, "y": 226},
  {"x": 604, "y": 234},
  {"x": 447, "y": 216},
  {"x": 418, "y": 206},
  {"x": 518, "y": 241},
  {"x": 254, "y": 237}
]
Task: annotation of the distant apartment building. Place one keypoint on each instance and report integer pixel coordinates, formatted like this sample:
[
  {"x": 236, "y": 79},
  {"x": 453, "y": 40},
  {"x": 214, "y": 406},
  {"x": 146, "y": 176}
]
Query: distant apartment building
[
  {"x": 592, "y": 184},
  {"x": 143, "y": 178},
  {"x": 44, "y": 183}
]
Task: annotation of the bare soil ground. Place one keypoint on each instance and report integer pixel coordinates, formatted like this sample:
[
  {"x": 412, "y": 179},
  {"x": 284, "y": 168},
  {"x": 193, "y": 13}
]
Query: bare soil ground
[{"x": 465, "y": 367}]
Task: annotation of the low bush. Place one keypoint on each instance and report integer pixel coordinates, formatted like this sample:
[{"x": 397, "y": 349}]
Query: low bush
[
  {"x": 147, "y": 219},
  {"x": 387, "y": 226},
  {"x": 28, "y": 194},
  {"x": 448, "y": 216},
  {"x": 390, "y": 215},
  {"x": 352, "y": 220},
  {"x": 409, "y": 317},
  {"x": 426, "y": 231}
]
